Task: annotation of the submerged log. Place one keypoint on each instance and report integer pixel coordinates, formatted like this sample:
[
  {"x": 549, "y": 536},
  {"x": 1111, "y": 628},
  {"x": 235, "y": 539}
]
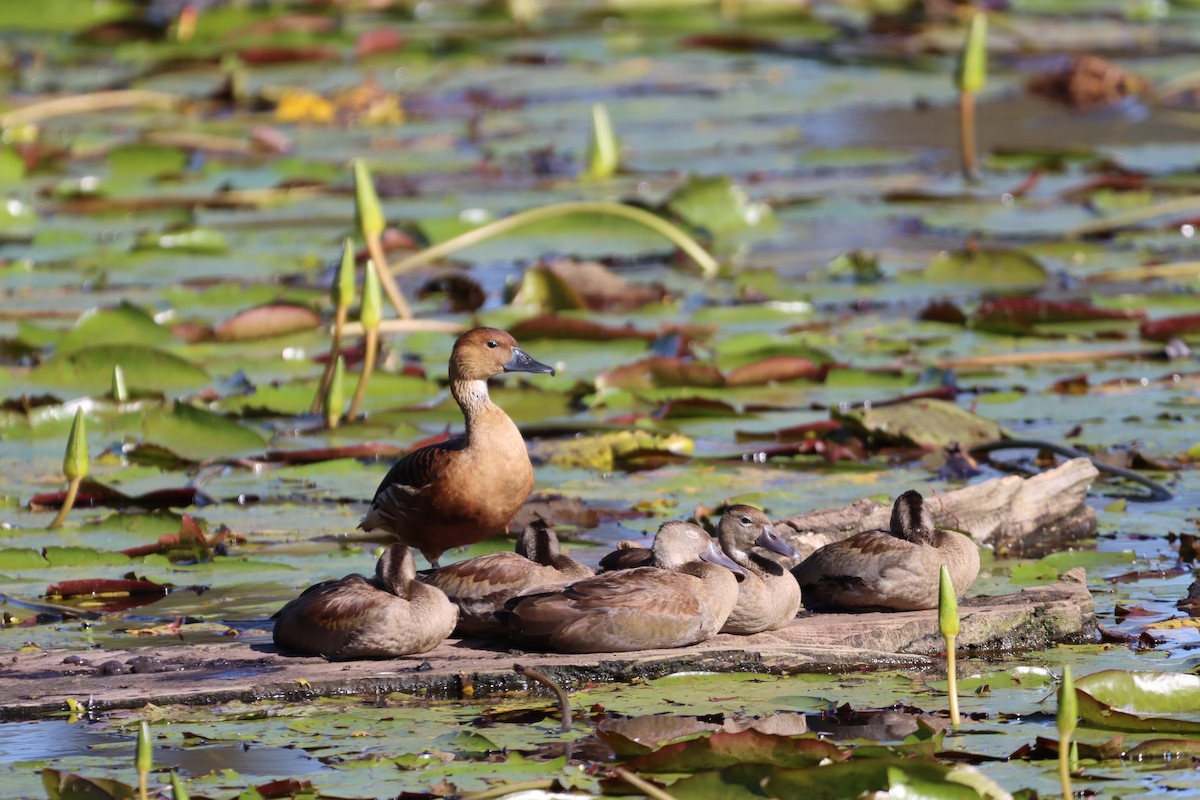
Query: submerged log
[
  {"x": 1024, "y": 517},
  {"x": 40, "y": 683}
]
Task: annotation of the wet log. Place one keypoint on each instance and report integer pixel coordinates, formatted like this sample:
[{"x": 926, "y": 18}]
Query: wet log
[
  {"x": 40, "y": 683},
  {"x": 1022, "y": 517}
]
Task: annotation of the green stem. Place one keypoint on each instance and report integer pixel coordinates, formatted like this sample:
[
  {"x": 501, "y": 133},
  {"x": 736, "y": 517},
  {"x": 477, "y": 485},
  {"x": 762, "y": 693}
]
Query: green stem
[
  {"x": 1064, "y": 766},
  {"x": 339, "y": 322},
  {"x": 966, "y": 133},
  {"x": 368, "y": 365},
  {"x": 143, "y": 785},
  {"x": 643, "y": 786},
  {"x": 67, "y": 504},
  {"x": 952, "y": 679},
  {"x": 386, "y": 280},
  {"x": 686, "y": 243},
  {"x": 1180, "y": 205}
]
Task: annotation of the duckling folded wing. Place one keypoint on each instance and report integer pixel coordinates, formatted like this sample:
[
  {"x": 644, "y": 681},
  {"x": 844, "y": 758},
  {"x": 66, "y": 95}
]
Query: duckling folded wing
[{"x": 637, "y": 609}]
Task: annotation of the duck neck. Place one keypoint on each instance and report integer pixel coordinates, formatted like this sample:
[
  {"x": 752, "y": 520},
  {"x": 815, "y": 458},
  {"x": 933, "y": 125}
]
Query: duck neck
[
  {"x": 473, "y": 398},
  {"x": 739, "y": 556}
]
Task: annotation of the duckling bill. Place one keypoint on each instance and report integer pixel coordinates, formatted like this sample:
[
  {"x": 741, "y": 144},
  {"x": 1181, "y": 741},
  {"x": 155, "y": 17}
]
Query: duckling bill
[
  {"x": 892, "y": 570},
  {"x": 466, "y": 489}
]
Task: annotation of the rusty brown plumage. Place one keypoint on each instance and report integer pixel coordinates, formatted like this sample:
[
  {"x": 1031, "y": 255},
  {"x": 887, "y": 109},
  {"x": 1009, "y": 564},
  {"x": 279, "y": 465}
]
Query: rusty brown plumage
[{"x": 464, "y": 490}]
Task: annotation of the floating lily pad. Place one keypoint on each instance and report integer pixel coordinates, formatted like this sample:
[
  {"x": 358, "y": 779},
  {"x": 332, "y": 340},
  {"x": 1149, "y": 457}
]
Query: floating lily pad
[
  {"x": 197, "y": 434},
  {"x": 989, "y": 267},
  {"x": 90, "y": 369}
]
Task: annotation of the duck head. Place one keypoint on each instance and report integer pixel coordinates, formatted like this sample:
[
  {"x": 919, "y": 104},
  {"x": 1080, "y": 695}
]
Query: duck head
[
  {"x": 911, "y": 520},
  {"x": 481, "y": 353}
]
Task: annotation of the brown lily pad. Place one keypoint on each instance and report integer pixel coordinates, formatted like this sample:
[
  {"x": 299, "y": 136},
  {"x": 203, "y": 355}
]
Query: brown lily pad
[{"x": 262, "y": 322}]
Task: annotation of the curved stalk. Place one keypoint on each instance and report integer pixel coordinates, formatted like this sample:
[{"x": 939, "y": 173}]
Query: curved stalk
[
  {"x": 335, "y": 347},
  {"x": 67, "y": 504},
  {"x": 368, "y": 366},
  {"x": 673, "y": 233},
  {"x": 83, "y": 103},
  {"x": 394, "y": 295}
]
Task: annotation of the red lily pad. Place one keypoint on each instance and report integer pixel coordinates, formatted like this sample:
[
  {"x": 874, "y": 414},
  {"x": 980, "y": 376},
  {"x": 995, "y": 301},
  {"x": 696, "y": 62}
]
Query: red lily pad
[
  {"x": 275, "y": 319},
  {"x": 776, "y": 369},
  {"x": 93, "y": 494},
  {"x": 726, "y": 749},
  {"x": 92, "y": 587},
  {"x": 1185, "y": 327},
  {"x": 659, "y": 372},
  {"x": 1020, "y": 314},
  {"x": 555, "y": 326}
]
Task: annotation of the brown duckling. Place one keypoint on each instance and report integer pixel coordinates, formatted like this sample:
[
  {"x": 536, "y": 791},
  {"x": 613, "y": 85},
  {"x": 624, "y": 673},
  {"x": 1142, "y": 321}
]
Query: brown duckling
[
  {"x": 769, "y": 597},
  {"x": 896, "y": 570},
  {"x": 466, "y": 489},
  {"x": 391, "y": 614},
  {"x": 481, "y": 586},
  {"x": 684, "y": 600}
]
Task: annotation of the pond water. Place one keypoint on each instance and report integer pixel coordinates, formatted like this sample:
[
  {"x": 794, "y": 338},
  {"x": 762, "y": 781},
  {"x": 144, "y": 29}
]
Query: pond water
[{"x": 174, "y": 215}]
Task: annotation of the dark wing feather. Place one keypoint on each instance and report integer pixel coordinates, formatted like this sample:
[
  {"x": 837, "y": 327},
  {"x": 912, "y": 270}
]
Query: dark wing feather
[{"x": 419, "y": 467}]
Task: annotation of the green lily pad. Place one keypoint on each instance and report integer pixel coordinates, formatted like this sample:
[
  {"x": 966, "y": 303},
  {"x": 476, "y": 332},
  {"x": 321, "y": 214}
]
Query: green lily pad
[
  {"x": 993, "y": 267},
  {"x": 147, "y": 369},
  {"x": 927, "y": 423},
  {"x": 719, "y": 206},
  {"x": 125, "y": 324},
  {"x": 196, "y": 434},
  {"x": 1116, "y": 700}
]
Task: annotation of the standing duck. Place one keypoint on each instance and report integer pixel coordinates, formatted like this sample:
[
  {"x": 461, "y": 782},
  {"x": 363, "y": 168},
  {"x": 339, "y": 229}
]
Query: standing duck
[
  {"x": 391, "y": 614},
  {"x": 896, "y": 570},
  {"x": 466, "y": 489},
  {"x": 769, "y": 597},
  {"x": 684, "y": 600},
  {"x": 481, "y": 586}
]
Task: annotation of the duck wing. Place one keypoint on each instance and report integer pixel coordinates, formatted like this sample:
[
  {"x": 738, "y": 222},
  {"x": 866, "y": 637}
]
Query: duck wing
[
  {"x": 482, "y": 576},
  {"x": 394, "y": 498},
  {"x": 869, "y": 571},
  {"x": 627, "y": 558}
]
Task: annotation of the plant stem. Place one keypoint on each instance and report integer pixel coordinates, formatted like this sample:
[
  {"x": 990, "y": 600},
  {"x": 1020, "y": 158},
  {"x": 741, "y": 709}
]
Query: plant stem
[
  {"x": 643, "y": 786},
  {"x": 83, "y": 103},
  {"x": 408, "y": 326},
  {"x": 952, "y": 679},
  {"x": 564, "y": 703},
  {"x": 682, "y": 240},
  {"x": 386, "y": 280},
  {"x": 67, "y": 504},
  {"x": 368, "y": 365},
  {"x": 1064, "y": 766},
  {"x": 966, "y": 133},
  {"x": 339, "y": 322}
]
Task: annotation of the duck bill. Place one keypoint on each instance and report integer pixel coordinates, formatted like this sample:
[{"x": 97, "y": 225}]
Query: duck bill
[
  {"x": 770, "y": 539},
  {"x": 714, "y": 555},
  {"x": 521, "y": 362}
]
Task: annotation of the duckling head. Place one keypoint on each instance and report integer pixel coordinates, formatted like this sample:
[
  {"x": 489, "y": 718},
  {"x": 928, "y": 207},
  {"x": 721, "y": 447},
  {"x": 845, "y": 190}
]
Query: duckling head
[
  {"x": 743, "y": 526},
  {"x": 395, "y": 569},
  {"x": 678, "y": 543},
  {"x": 911, "y": 519},
  {"x": 538, "y": 542}
]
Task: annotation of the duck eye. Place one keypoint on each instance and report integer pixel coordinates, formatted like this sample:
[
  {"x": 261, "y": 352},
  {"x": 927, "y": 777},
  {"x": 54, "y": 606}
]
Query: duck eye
[
  {"x": 492, "y": 343},
  {"x": 745, "y": 520}
]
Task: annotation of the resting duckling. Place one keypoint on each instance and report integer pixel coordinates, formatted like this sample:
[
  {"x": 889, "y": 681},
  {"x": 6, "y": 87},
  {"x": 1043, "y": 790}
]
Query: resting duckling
[
  {"x": 466, "y": 489},
  {"x": 684, "y": 600},
  {"x": 896, "y": 570},
  {"x": 481, "y": 586},
  {"x": 769, "y": 597},
  {"x": 391, "y": 614}
]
